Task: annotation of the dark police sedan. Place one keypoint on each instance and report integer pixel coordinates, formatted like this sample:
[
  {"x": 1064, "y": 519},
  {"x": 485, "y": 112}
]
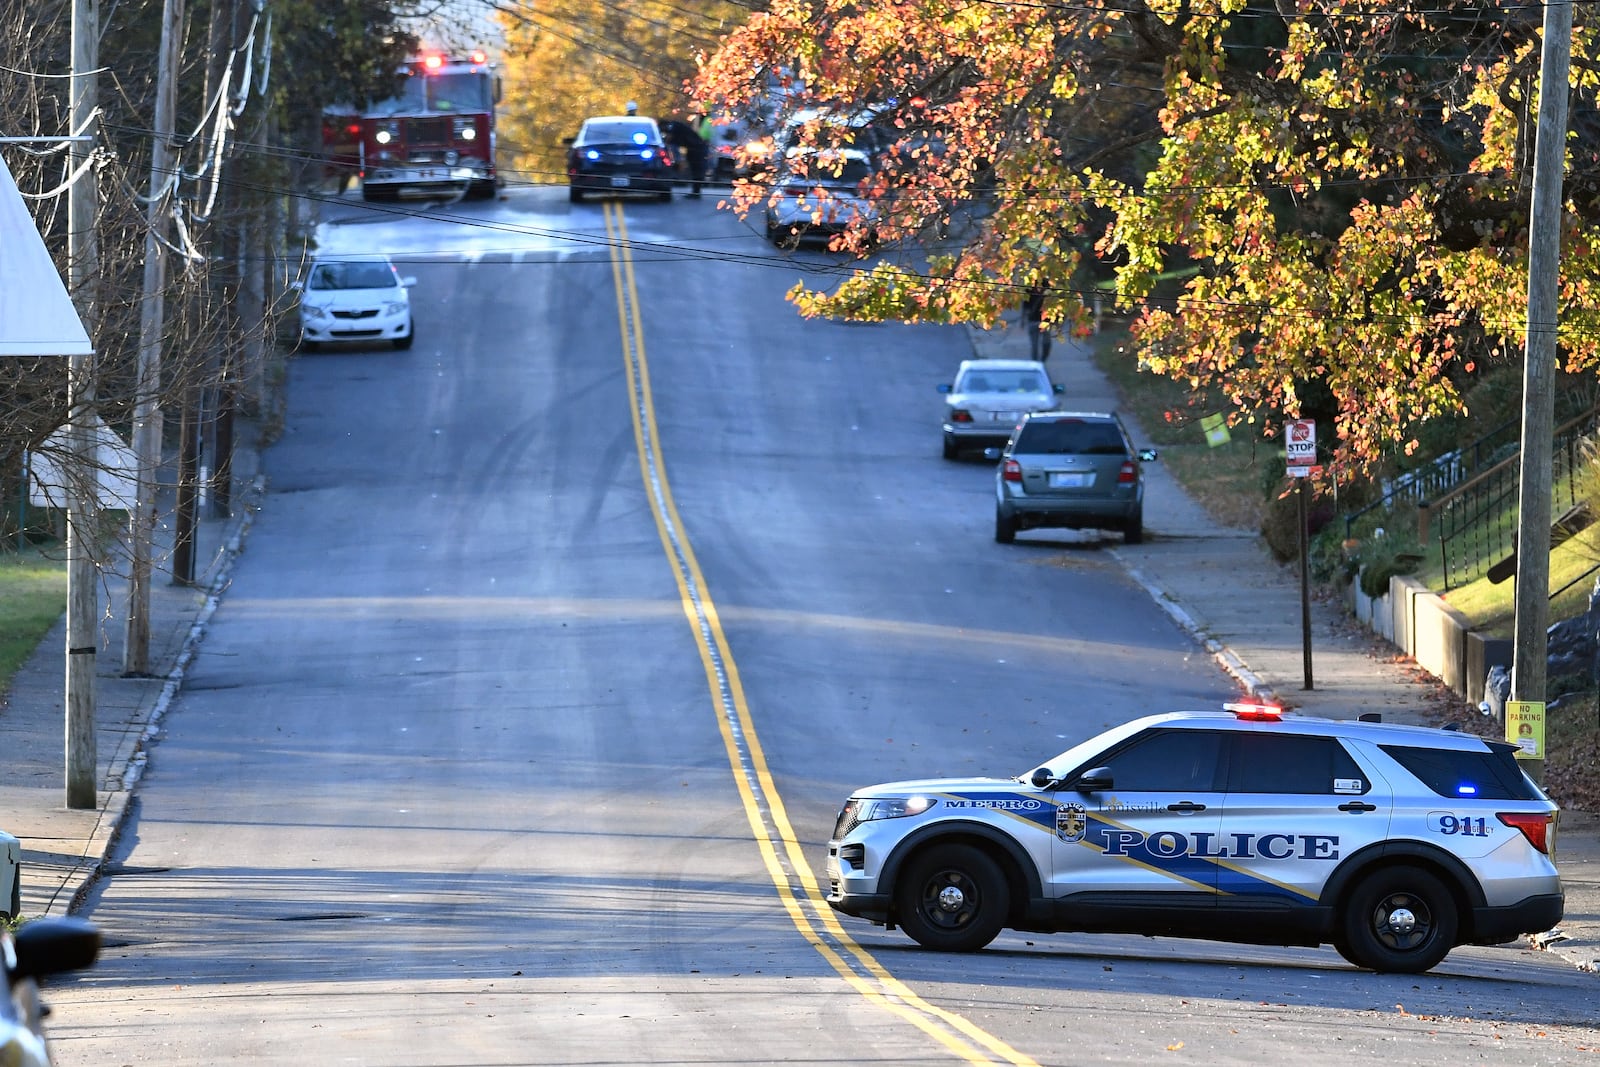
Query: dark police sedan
[{"x": 619, "y": 154}]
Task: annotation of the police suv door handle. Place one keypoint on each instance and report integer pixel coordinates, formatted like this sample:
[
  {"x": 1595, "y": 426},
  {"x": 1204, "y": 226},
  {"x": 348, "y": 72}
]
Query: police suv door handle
[
  {"x": 1357, "y": 807},
  {"x": 1187, "y": 805}
]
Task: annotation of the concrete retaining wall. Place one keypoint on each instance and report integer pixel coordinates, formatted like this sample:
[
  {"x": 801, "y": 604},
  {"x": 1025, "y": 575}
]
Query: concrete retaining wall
[{"x": 1430, "y": 631}]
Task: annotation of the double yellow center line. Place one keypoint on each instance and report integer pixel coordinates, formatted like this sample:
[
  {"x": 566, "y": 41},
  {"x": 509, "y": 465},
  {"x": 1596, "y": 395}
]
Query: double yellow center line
[{"x": 786, "y": 865}]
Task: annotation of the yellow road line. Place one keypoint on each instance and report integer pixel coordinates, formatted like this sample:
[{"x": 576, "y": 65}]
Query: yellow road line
[{"x": 763, "y": 806}]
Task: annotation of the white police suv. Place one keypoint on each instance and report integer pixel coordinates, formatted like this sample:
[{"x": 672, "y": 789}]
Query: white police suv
[{"x": 1393, "y": 843}]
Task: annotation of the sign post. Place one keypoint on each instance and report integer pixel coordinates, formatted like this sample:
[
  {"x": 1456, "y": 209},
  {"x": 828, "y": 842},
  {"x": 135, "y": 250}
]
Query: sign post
[{"x": 1300, "y": 452}]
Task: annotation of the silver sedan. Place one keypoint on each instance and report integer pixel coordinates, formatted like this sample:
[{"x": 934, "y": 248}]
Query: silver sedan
[{"x": 989, "y": 397}]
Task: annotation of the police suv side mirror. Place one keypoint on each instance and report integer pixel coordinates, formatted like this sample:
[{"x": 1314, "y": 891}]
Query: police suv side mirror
[
  {"x": 1147, "y": 455},
  {"x": 1093, "y": 780},
  {"x": 1042, "y": 777},
  {"x": 944, "y": 387},
  {"x": 992, "y": 452},
  {"x": 1058, "y": 388},
  {"x": 52, "y": 945}
]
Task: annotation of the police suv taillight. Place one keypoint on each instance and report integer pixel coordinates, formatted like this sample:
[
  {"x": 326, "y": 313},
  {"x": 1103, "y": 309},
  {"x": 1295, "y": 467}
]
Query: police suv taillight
[
  {"x": 1011, "y": 472},
  {"x": 1537, "y": 826}
]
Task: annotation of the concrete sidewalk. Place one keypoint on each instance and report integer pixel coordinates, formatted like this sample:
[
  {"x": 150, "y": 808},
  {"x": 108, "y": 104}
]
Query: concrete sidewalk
[
  {"x": 62, "y": 848},
  {"x": 1218, "y": 583}
]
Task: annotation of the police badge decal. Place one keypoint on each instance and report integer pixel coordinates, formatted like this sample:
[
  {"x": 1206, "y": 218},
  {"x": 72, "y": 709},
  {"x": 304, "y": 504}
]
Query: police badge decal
[{"x": 1071, "y": 822}]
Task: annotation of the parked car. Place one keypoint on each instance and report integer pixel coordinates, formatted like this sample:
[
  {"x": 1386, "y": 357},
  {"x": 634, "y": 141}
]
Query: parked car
[
  {"x": 1077, "y": 470},
  {"x": 355, "y": 298},
  {"x": 619, "y": 154},
  {"x": 728, "y": 136},
  {"x": 38, "y": 948},
  {"x": 1392, "y": 843},
  {"x": 818, "y": 193},
  {"x": 988, "y": 397},
  {"x": 10, "y": 876}
]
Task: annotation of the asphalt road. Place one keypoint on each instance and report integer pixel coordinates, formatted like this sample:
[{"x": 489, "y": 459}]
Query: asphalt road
[{"x": 558, "y": 642}]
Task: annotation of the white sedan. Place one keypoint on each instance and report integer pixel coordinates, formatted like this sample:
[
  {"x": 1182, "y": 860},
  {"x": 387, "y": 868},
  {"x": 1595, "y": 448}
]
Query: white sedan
[
  {"x": 989, "y": 397},
  {"x": 355, "y": 298}
]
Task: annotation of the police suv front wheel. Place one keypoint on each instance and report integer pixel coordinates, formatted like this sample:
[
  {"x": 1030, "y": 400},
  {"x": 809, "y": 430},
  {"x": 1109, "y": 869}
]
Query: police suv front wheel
[
  {"x": 1399, "y": 919},
  {"x": 952, "y": 898}
]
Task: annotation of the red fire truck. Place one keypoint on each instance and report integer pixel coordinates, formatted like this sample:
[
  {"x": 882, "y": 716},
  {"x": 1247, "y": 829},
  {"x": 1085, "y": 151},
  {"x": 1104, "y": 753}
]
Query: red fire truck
[{"x": 436, "y": 138}]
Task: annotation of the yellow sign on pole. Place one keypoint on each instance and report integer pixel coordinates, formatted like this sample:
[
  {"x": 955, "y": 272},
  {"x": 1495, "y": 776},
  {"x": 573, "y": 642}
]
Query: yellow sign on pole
[
  {"x": 1216, "y": 428},
  {"x": 1525, "y": 727}
]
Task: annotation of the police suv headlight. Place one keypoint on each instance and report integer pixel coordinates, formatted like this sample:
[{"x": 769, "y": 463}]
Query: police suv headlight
[
  {"x": 313, "y": 311},
  {"x": 394, "y": 307},
  {"x": 893, "y": 807}
]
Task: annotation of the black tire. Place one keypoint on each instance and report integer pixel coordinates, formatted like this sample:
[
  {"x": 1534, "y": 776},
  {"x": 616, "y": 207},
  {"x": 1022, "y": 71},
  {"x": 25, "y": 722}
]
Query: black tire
[
  {"x": 665, "y": 195},
  {"x": 574, "y": 194},
  {"x": 1398, "y": 920},
  {"x": 1005, "y": 527},
  {"x": 411, "y": 335},
  {"x": 1133, "y": 529},
  {"x": 309, "y": 346},
  {"x": 952, "y": 898},
  {"x": 16, "y": 895},
  {"x": 951, "y": 449},
  {"x": 1343, "y": 948}
]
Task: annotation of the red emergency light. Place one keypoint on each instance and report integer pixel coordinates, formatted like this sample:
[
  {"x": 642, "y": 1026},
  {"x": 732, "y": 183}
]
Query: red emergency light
[
  {"x": 433, "y": 62},
  {"x": 1255, "y": 712}
]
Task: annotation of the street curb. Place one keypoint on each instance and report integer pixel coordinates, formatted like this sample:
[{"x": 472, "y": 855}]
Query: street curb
[
  {"x": 115, "y": 807},
  {"x": 1226, "y": 658}
]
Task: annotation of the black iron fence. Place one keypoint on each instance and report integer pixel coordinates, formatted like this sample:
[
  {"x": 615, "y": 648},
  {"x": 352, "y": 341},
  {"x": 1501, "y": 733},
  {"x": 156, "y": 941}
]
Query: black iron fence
[
  {"x": 1475, "y": 523},
  {"x": 1441, "y": 474}
]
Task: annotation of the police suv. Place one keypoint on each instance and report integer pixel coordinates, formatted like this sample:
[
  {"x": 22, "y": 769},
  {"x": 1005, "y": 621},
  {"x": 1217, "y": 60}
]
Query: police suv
[{"x": 1393, "y": 843}]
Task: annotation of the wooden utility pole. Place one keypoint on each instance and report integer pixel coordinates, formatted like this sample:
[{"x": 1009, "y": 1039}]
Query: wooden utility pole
[
  {"x": 83, "y": 510},
  {"x": 1531, "y": 644},
  {"x": 152, "y": 323}
]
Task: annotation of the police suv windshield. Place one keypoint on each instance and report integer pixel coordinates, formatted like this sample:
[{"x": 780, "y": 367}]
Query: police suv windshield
[{"x": 1081, "y": 753}]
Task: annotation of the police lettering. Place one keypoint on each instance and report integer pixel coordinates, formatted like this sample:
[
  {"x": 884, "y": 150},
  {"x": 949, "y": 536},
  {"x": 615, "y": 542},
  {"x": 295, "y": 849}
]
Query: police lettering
[{"x": 1168, "y": 844}]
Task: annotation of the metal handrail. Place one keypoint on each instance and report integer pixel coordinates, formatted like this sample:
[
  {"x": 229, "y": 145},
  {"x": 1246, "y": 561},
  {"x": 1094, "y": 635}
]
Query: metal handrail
[{"x": 1424, "y": 507}]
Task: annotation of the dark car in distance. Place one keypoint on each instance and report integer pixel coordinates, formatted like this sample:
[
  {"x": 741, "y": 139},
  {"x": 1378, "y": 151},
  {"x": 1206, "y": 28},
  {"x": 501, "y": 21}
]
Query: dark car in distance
[{"x": 619, "y": 154}]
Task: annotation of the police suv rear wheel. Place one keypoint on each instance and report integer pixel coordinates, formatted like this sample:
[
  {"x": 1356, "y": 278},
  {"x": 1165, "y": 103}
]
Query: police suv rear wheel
[
  {"x": 952, "y": 898},
  {"x": 1400, "y": 920}
]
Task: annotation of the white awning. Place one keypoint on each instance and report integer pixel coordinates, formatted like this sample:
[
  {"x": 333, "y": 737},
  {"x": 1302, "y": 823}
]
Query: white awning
[{"x": 37, "y": 317}]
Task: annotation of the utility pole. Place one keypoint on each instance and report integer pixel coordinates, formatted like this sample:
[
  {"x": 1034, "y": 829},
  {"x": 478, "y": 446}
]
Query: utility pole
[
  {"x": 1531, "y": 645},
  {"x": 83, "y": 511},
  {"x": 152, "y": 323}
]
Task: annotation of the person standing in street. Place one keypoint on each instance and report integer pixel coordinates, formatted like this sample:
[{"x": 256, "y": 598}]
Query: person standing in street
[
  {"x": 698, "y": 151},
  {"x": 681, "y": 136},
  {"x": 1033, "y": 320}
]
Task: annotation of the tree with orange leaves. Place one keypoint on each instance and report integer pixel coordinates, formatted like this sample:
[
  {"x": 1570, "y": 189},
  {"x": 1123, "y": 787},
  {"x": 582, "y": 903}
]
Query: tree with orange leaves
[{"x": 1340, "y": 188}]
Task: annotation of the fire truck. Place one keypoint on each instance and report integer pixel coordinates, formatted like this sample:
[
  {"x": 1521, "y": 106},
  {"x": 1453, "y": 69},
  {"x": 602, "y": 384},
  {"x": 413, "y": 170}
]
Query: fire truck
[{"x": 436, "y": 138}]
